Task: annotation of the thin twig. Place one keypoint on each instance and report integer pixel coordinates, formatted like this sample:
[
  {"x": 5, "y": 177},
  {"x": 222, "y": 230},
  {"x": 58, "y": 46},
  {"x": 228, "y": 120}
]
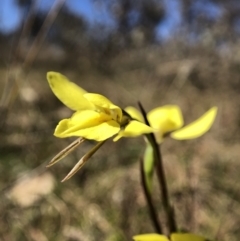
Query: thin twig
[
  {"x": 34, "y": 49},
  {"x": 11, "y": 88}
]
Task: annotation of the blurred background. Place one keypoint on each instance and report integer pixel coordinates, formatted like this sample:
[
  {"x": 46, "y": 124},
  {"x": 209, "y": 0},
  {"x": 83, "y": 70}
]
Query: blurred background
[{"x": 184, "y": 52}]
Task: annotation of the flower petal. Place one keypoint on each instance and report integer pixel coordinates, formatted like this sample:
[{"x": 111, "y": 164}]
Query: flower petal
[
  {"x": 80, "y": 120},
  {"x": 68, "y": 92},
  {"x": 134, "y": 128},
  {"x": 150, "y": 237},
  {"x": 166, "y": 118},
  {"x": 196, "y": 128},
  {"x": 134, "y": 113},
  {"x": 88, "y": 118},
  {"x": 186, "y": 237},
  {"x": 99, "y": 133},
  {"x": 106, "y": 104},
  {"x": 88, "y": 124}
]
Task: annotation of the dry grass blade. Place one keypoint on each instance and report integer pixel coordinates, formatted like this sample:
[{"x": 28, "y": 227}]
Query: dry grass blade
[
  {"x": 35, "y": 47},
  {"x": 66, "y": 151},
  {"x": 11, "y": 88},
  {"x": 82, "y": 161}
]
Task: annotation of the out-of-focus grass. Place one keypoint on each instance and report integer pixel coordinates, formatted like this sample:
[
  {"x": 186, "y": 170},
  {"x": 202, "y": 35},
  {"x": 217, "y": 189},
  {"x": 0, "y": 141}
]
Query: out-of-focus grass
[{"x": 104, "y": 200}]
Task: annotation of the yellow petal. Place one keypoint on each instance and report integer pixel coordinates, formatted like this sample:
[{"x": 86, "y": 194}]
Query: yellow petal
[
  {"x": 186, "y": 237},
  {"x": 80, "y": 120},
  {"x": 61, "y": 128},
  {"x": 134, "y": 113},
  {"x": 166, "y": 118},
  {"x": 134, "y": 128},
  {"x": 102, "y": 102},
  {"x": 99, "y": 133},
  {"x": 150, "y": 237},
  {"x": 68, "y": 92},
  {"x": 198, "y": 127},
  {"x": 88, "y": 124},
  {"x": 88, "y": 118}
]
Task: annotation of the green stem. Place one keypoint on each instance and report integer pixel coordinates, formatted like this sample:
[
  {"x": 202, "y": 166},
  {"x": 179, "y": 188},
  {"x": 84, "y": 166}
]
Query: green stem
[
  {"x": 161, "y": 178},
  {"x": 164, "y": 190},
  {"x": 152, "y": 210}
]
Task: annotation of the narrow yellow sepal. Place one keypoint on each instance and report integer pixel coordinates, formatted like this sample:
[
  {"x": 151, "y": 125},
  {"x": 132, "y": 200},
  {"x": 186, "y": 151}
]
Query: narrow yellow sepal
[
  {"x": 68, "y": 92},
  {"x": 196, "y": 128}
]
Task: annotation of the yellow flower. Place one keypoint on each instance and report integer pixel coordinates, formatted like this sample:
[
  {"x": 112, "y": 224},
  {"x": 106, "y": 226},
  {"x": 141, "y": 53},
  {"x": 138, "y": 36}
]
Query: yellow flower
[
  {"x": 168, "y": 120},
  {"x": 95, "y": 117},
  {"x": 174, "y": 237}
]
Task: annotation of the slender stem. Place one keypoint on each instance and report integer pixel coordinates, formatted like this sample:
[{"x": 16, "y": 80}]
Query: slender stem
[
  {"x": 164, "y": 190},
  {"x": 152, "y": 210},
  {"x": 161, "y": 178}
]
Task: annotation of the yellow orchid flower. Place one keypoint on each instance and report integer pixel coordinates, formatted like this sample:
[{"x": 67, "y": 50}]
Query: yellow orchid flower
[
  {"x": 168, "y": 120},
  {"x": 174, "y": 237},
  {"x": 95, "y": 118}
]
